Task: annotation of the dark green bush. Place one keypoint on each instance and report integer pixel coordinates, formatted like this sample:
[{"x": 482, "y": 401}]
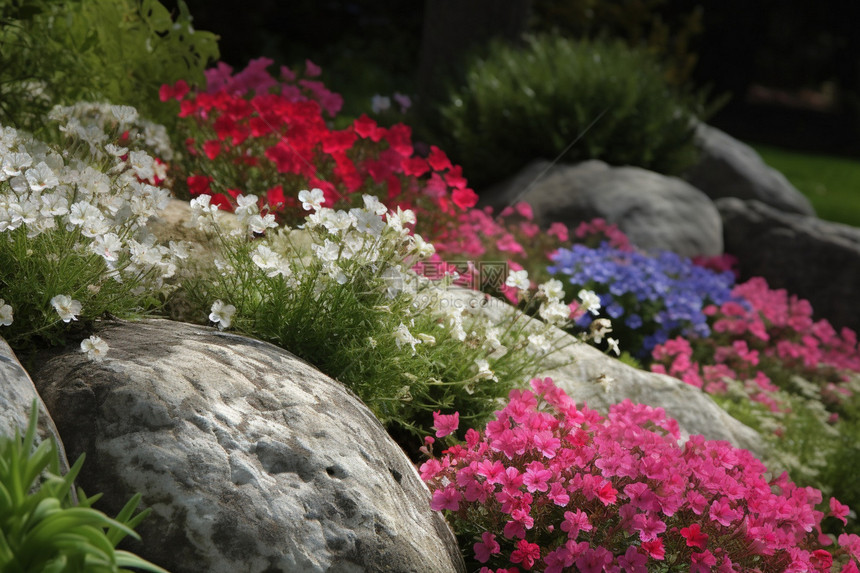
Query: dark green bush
[
  {"x": 519, "y": 104},
  {"x": 121, "y": 51}
]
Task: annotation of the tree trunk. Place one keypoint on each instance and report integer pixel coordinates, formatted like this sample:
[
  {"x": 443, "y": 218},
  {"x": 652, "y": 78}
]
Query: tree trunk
[{"x": 454, "y": 30}]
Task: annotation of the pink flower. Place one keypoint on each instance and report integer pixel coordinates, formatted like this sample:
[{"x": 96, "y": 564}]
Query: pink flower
[
  {"x": 559, "y": 230},
  {"x": 702, "y": 562},
  {"x": 838, "y": 510},
  {"x": 445, "y": 423},
  {"x": 447, "y": 498},
  {"x": 574, "y": 522},
  {"x": 594, "y": 560},
  {"x": 536, "y": 477},
  {"x": 649, "y": 527},
  {"x": 722, "y": 512},
  {"x": 311, "y": 69},
  {"x": 486, "y": 547},
  {"x": 633, "y": 561}
]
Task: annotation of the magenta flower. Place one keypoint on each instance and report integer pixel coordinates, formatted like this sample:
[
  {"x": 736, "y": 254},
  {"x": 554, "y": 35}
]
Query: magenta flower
[
  {"x": 486, "y": 547},
  {"x": 621, "y": 493},
  {"x": 838, "y": 510},
  {"x": 445, "y": 423}
]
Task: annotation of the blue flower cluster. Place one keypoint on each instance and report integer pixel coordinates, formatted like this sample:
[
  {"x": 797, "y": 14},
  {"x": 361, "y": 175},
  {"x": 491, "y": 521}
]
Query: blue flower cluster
[{"x": 649, "y": 298}]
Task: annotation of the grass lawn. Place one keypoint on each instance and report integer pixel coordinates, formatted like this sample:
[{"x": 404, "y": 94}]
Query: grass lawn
[{"x": 831, "y": 183}]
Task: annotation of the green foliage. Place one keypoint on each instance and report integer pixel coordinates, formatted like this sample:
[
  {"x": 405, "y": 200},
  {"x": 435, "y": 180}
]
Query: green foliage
[
  {"x": 832, "y": 184},
  {"x": 122, "y": 51},
  {"x": 537, "y": 102},
  {"x": 42, "y": 530}
]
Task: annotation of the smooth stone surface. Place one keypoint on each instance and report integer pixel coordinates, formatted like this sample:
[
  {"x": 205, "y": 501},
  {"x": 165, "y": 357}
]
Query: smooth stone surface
[
  {"x": 17, "y": 393},
  {"x": 811, "y": 258},
  {"x": 251, "y": 459},
  {"x": 655, "y": 211},
  {"x": 730, "y": 168}
]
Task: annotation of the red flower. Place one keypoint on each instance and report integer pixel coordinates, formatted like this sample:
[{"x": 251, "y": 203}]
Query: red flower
[
  {"x": 694, "y": 536},
  {"x": 400, "y": 139},
  {"x": 415, "y": 166},
  {"x": 275, "y": 197},
  {"x": 438, "y": 160},
  {"x": 464, "y": 198},
  {"x": 338, "y": 141},
  {"x": 367, "y": 128},
  {"x": 455, "y": 178},
  {"x": 655, "y": 548},
  {"x": 212, "y": 148},
  {"x": 177, "y": 91},
  {"x": 198, "y": 184},
  {"x": 526, "y": 553}
]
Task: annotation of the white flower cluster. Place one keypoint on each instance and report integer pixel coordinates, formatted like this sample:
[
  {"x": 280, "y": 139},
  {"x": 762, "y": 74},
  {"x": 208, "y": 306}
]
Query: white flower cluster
[
  {"x": 44, "y": 190},
  {"x": 345, "y": 246},
  {"x": 93, "y": 122}
]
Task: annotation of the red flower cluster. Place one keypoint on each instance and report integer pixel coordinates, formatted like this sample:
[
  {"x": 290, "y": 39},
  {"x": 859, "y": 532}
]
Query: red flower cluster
[{"x": 255, "y": 135}]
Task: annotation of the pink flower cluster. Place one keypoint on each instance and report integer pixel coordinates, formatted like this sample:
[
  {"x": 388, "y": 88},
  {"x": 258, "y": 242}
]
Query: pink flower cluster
[
  {"x": 762, "y": 331},
  {"x": 548, "y": 486},
  {"x": 593, "y": 233}
]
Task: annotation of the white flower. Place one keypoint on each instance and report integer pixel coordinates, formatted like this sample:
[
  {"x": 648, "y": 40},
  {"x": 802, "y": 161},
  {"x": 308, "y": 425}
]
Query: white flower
[
  {"x": 41, "y": 177},
  {"x": 66, "y": 307},
  {"x": 398, "y": 220},
  {"x": 95, "y": 347},
  {"x": 335, "y": 221},
  {"x": 539, "y": 342},
  {"x": 552, "y": 289},
  {"x": 246, "y": 205},
  {"x": 373, "y": 204},
  {"x": 258, "y": 224},
  {"x": 484, "y": 371},
  {"x": 379, "y": 103},
  {"x": 590, "y": 301},
  {"x": 5, "y": 313},
  {"x": 554, "y": 312},
  {"x": 367, "y": 221},
  {"x": 14, "y": 163},
  {"x": 116, "y": 150},
  {"x": 107, "y": 246},
  {"x": 312, "y": 200},
  {"x": 269, "y": 261},
  {"x": 403, "y": 336},
  {"x": 426, "y": 338},
  {"x": 222, "y": 314},
  {"x": 328, "y": 251},
  {"x": 54, "y": 205},
  {"x": 422, "y": 247},
  {"x": 599, "y": 328},
  {"x": 141, "y": 163},
  {"x": 518, "y": 279},
  {"x": 613, "y": 346},
  {"x": 125, "y": 114}
]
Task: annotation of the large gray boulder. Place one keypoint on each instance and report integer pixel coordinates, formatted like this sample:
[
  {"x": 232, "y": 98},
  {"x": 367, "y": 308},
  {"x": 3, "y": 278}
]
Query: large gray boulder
[
  {"x": 730, "y": 168},
  {"x": 250, "y": 459},
  {"x": 17, "y": 393},
  {"x": 811, "y": 258},
  {"x": 655, "y": 211}
]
